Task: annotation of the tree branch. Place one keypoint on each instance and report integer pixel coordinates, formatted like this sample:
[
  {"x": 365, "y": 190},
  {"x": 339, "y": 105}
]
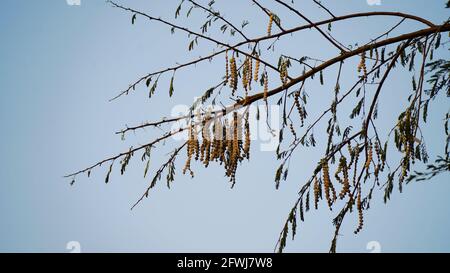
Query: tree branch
[
  {"x": 314, "y": 25},
  {"x": 268, "y": 14},
  {"x": 195, "y": 34},
  {"x": 277, "y": 35},
  {"x": 217, "y": 14},
  {"x": 346, "y": 55}
]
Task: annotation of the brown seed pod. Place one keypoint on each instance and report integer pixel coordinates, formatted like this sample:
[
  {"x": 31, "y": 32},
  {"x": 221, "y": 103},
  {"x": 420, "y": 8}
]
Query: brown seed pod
[
  {"x": 204, "y": 142},
  {"x": 327, "y": 186},
  {"x": 362, "y": 65},
  {"x": 217, "y": 135},
  {"x": 369, "y": 156},
  {"x": 227, "y": 73},
  {"x": 355, "y": 160},
  {"x": 223, "y": 143},
  {"x": 247, "y": 137},
  {"x": 234, "y": 75},
  {"x": 190, "y": 150},
  {"x": 297, "y": 101},
  {"x": 317, "y": 191},
  {"x": 207, "y": 140},
  {"x": 245, "y": 72},
  {"x": 269, "y": 26},
  {"x": 291, "y": 128},
  {"x": 345, "y": 180},
  {"x": 266, "y": 86},
  {"x": 283, "y": 72},
  {"x": 229, "y": 137},
  {"x": 196, "y": 143},
  {"x": 301, "y": 110},
  {"x": 257, "y": 64},
  {"x": 207, "y": 153},
  {"x": 333, "y": 193},
  {"x": 235, "y": 137},
  {"x": 250, "y": 73},
  {"x": 233, "y": 148},
  {"x": 360, "y": 212}
]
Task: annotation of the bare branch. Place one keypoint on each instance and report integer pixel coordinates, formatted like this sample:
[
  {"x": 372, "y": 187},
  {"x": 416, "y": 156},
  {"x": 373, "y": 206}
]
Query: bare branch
[{"x": 325, "y": 8}]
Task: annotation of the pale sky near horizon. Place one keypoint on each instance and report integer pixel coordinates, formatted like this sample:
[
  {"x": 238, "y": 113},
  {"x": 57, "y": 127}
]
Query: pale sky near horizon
[{"x": 61, "y": 63}]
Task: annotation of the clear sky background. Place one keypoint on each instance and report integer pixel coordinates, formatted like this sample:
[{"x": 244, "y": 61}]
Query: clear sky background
[{"x": 59, "y": 66}]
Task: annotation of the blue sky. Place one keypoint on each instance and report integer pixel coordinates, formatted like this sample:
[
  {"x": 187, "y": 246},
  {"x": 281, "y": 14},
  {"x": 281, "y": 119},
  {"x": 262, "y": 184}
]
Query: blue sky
[{"x": 60, "y": 65}]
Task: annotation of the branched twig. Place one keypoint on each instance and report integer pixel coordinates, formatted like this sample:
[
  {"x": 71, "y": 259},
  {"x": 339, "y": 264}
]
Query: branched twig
[
  {"x": 314, "y": 25},
  {"x": 266, "y": 11},
  {"x": 158, "y": 174},
  {"x": 274, "y": 36},
  {"x": 193, "y": 33},
  {"x": 325, "y": 8},
  {"x": 217, "y": 14}
]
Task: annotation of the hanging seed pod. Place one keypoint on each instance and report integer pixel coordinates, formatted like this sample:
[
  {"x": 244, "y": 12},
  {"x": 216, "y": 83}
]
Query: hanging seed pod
[
  {"x": 356, "y": 157},
  {"x": 228, "y": 146},
  {"x": 297, "y": 101},
  {"x": 326, "y": 182},
  {"x": 350, "y": 152},
  {"x": 190, "y": 142},
  {"x": 240, "y": 136},
  {"x": 269, "y": 26},
  {"x": 231, "y": 73},
  {"x": 301, "y": 111},
  {"x": 190, "y": 150},
  {"x": 377, "y": 57},
  {"x": 229, "y": 138},
  {"x": 283, "y": 72},
  {"x": 231, "y": 61},
  {"x": 377, "y": 151},
  {"x": 207, "y": 140},
  {"x": 266, "y": 86},
  {"x": 338, "y": 171},
  {"x": 360, "y": 211},
  {"x": 291, "y": 128},
  {"x": 257, "y": 64},
  {"x": 203, "y": 145},
  {"x": 250, "y": 73},
  {"x": 233, "y": 150},
  {"x": 245, "y": 76},
  {"x": 187, "y": 166},
  {"x": 213, "y": 141},
  {"x": 223, "y": 143},
  {"x": 217, "y": 134},
  {"x": 365, "y": 71},
  {"x": 369, "y": 156},
  {"x": 235, "y": 137},
  {"x": 333, "y": 193},
  {"x": 247, "y": 137},
  {"x": 317, "y": 191},
  {"x": 362, "y": 65},
  {"x": 234, "y": 75},
  {"x": 227, "y": 73},
  {"x": 196, "y": 143},
  {"x": 345, "y": 180},
  {"x": 207, "y": 154}
]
